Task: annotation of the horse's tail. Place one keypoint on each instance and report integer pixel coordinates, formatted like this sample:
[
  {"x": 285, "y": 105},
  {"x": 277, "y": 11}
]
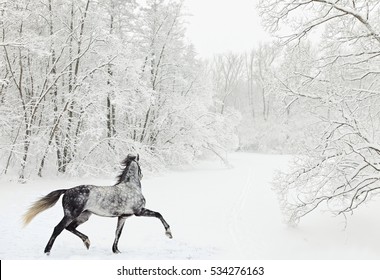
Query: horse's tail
[{"x": 41, "y": 205}]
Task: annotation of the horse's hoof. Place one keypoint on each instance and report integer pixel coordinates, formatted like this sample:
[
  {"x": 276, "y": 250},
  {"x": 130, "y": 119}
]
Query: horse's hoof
[
  {"x": 168, "y": 233},
  {"x": 47, "y": 253},
  {"x": 87, "y": 243},
  {"x": 116, "y": 251}
]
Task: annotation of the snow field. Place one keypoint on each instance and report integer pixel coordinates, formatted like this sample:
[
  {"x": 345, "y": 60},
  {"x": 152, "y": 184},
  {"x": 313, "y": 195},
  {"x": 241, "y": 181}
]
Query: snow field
[{"x": 214, "y": 212}]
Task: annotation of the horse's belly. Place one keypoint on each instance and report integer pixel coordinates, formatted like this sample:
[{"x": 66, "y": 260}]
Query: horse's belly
[{"x": 110, "y": 212}]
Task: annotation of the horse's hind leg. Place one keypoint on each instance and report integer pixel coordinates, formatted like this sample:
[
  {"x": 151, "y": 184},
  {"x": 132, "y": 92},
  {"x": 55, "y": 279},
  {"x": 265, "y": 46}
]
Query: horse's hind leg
[
  {"x": 119, "y": 228},
  {"x": 149, "y": 213},
  {"x": 73, "y": 203},
  {"x": 57, "y": 231},
  {"x": 82, "y": 218}
]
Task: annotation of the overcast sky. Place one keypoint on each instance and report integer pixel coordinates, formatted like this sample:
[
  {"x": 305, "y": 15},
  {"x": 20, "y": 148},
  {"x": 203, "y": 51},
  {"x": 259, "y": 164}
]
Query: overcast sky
[{"x": 217, "y": 26}]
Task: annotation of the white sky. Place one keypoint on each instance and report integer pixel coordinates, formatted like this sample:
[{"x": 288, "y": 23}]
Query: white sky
[{"x": 217, "y": 26}]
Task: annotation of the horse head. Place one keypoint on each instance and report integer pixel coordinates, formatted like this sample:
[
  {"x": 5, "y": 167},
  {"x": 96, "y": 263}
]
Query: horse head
[{"x": 131, "y": 171}]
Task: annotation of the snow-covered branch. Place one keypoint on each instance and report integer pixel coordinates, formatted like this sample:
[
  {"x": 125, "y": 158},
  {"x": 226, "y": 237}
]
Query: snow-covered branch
[{"x": 335, "y": 82}]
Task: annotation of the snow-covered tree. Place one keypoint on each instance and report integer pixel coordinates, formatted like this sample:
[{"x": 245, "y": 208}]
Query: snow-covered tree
[{"x": 338, "y": 88}]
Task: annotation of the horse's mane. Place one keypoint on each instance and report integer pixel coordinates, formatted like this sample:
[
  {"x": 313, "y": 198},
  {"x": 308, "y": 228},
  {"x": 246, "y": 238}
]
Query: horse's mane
[{"x": 126, "y": 162}]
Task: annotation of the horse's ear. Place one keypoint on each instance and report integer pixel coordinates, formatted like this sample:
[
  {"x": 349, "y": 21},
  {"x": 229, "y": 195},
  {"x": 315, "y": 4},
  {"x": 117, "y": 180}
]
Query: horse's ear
[
  {"x": 131, "y": 157},
  {"x": 138, "y": 157}
]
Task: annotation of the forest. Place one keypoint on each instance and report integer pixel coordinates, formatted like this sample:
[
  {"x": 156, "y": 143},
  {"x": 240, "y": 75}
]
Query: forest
[{"x": 82, "y": 83}]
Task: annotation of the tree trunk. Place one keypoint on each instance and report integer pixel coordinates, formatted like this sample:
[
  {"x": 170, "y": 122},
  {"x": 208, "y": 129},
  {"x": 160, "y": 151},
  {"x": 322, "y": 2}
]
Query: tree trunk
[
  {"x": 111, "y": 131},
  {"x": 68, "y": 152}
]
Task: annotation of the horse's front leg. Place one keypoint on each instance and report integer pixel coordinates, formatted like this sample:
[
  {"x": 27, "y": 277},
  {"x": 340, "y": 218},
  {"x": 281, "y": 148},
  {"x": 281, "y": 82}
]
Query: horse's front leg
[
  {"x": 119, "y": 228},
  {"x": 149, "y": 213}
]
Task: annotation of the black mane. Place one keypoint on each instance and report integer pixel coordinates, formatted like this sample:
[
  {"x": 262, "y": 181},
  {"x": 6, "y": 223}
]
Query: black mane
[{"x": 126, "y": 162}]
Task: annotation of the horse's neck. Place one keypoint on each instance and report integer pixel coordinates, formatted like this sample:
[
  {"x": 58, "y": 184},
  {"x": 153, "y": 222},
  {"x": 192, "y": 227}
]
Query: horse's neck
[
  {"x": 134, "y": 180},
  {"x": 132, "y": 174}
]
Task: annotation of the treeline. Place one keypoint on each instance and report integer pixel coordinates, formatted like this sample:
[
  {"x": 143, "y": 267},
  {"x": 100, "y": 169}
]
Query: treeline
[{"x": 83, "y": 83}]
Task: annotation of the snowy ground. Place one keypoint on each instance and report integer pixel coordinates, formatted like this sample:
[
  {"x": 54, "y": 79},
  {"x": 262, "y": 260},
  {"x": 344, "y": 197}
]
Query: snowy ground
[{"x": 214, "y": 212}]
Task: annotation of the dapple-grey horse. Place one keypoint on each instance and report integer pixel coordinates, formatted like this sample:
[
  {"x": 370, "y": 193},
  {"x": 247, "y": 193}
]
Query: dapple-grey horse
[{"x": 121, "y": 200}]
